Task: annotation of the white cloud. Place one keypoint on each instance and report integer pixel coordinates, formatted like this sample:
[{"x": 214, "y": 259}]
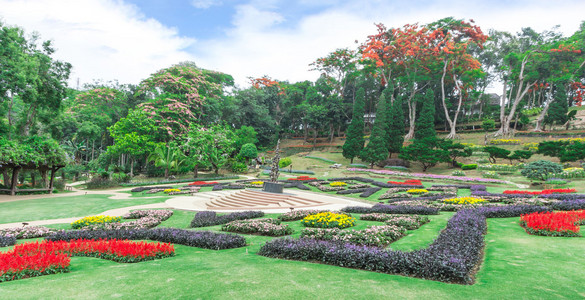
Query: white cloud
[
  {"x": 258, "y": 44},
  {"x": 204, "y": 4},
  {"x": 101, "y": 39}
]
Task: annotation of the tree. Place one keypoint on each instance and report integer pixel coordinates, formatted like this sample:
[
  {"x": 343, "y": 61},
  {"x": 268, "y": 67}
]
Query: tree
[
  {"x": 354, "y": 141},
  {"x": 167, "y": 156},
  {"x": 520, "y": 155},
  {"x": 573, "y": 152},
  {"x": 541, "y": 169},
  {"x": 496, "y": 152},
  {"x": 552, "y": 148},
  {"x": 455, "y": 150},
  {"x": 558, "y": 110},
  {"x": 376, "y": 149},
  {"x": 248, "y": 152},
  {"x": 244, "y": 135},
  {"x": 424, "y": 154},
  {"x": 425, "y": 125},
  {"x": 213, "y": 144},
  {"x": 395, "y": 126}
]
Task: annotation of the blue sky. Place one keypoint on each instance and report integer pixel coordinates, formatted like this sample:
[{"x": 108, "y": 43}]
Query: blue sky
[{"x": 128, "y": 40}]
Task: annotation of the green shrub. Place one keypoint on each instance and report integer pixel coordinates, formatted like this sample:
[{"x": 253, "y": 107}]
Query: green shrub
[
  {"x": 490, "y": 174},
  {"x": 469, "y": 167},
  {"x": 285, "y": 162},
  {"x": 121, "y": 177},
  {"x": 541, "y": 170},
  {"x": 99, "y": 182},
  {"x": 458, "y": 173},
  {"x": 488, "y": 124},
  {"x": 239, "y": 167}
]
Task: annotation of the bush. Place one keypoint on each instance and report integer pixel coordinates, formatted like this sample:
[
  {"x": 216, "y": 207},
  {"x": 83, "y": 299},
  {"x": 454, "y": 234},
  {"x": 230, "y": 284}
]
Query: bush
[
  {"x": 488, "y": 124},
  {"x": 239, "y": 167},
  {"x": 210, "y": 218},
  {"x": 458, "y": 173},
  {"x": 285, "y": 162},
  {"x": 7, "y": 240},
  {"x": 121, "y": 177},
  {"x": 193, "y": 238},
  {"x": 27, "y": 232},
  {"x": 469, "y": 167},
  {"x": 394, "y": 162},
  {"x": 541, "y": 170},
  {"x": 98, "y": 182}
]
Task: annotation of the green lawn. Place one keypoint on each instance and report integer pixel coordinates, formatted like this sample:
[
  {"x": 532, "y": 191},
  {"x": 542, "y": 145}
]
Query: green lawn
[
  {"x": 65, "y": 207},
  {"x": 516, "y": 265}
]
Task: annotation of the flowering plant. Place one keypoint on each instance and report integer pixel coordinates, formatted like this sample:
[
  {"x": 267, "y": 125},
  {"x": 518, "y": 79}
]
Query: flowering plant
[
  {"x": 372, "y": 236},
  {"x": 328, "y": 220},
  {"x": 198, "y": 183},
  {"x": 257, "y": 183},
  {"x": 505, "y": 142},
  {"x": 338, "y": 183},
  {"x": 270, "y": 227},
  {"x": 166, "y": 191},
  {"x": 93, "y": 220},
  {"x": 553, "y": 223},
  {"x": 417, "y": 191},
  {"x": 543, "y": 192},
  {"x": 463, "y": 200},
  {"x": 303, "y": 178}
]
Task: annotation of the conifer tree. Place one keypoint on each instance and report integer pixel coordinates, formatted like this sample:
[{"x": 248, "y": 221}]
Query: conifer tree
[
  {"x": 354, "y": 141},
  {"x": 425, "y": 123},
  {"x": 557, "y": 112},
  {"x": 376, "y": 150},
  {"x": 396, "y": 127}
]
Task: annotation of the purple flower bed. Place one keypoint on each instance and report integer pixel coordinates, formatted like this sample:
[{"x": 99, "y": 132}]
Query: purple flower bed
[
  {"x": 392, "y": 209},
  {"x": 364, "y": 192},
  {"x": 563, "y": 197},
  {"x": 569, "y": 205},
  {"x": 7, "y": 240},
  {"x": 360, "y": 179},
  {"x": 424, "y": 175},
  {"x": 369, "y": 192},
  {"x": 193, "y": 238},
  {"x": 147, "y": 188},
  {"x": 210, "y": 218}
]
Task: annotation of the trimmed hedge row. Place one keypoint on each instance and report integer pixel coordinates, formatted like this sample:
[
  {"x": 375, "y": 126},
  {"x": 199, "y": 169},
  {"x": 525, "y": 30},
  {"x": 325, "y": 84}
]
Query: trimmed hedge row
[
  {"x": 364, "y": 192},
  {"x": 296, "y": 184},
  {"x": 452, "y": 257},
  {"x": 392, "y": 209},
  {"x": 210, "y": 218},
  {"x": 193, "y": 238},
  {"x": 7, "y": 240}
]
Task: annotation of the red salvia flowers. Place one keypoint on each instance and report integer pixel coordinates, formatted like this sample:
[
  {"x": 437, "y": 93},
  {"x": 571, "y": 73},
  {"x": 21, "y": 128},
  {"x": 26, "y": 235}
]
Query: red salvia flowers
[
  {"x": 407, "y": 182},
  {"x": 543, "y": 192},
  {"x": 564, "y": 223},
  {"x": 50, "y": 257}
]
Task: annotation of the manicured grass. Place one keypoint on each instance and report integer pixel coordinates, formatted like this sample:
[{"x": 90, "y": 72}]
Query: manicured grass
[
  {"x": 516, "y": 265},
  {"x": 64, "y": 207}
]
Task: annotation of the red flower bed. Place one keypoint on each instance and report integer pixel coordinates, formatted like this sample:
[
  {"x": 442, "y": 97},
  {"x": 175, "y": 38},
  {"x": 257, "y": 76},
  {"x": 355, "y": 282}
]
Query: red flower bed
[
  {"x": 50, "y": 257},
  {"x": 553, "y": 223},
  {"x": 543, "y": 192},
  {"x": 203, "y": 183},
  {"x": 407, "y": 182},
  {"x": 302, "y": 178}
]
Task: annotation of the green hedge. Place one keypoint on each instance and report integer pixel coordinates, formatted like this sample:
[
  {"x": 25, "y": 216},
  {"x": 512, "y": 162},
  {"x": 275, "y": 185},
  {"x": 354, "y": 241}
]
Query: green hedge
[{"x": 469, "y": 167}]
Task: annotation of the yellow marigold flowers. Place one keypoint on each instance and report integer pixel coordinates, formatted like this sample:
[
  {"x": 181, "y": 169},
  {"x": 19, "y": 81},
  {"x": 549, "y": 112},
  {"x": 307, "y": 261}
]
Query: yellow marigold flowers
[
  {"x": 463, "y": 200},
  {"x": 505, "y": 142},
  {"x": 328, "y": 220},
  {"x": 87, "y": 221},
  {"x": 257, "y": 182},
  {"x": 171, "y": 191},
  {"x": 417, "y": 191},
  {"x": 338, "y": 183}
]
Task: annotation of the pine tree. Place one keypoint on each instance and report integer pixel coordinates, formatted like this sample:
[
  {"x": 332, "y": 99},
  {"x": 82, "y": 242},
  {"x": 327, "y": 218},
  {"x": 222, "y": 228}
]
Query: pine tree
[
  {"x": 354, "y": 142},
  {"x": 396, "y": 127},
  {"x": 558, "y": 110},
  {"x": 425, "y": 123},
  {"x": 376, "y": 150}
]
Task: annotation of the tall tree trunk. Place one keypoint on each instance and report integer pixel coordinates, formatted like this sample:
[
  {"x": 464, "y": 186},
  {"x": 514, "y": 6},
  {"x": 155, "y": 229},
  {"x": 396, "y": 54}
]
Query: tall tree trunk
[
  {"x": 332, "y": 131},
  {"x": 14, "y": 182},
  {"x": 196, "y": 171},
  {"x": 411, "y": 115},
  {"x": 132, "y": 167},
  {"x": 32, "y": 178},
  {"x": 305, "y": 132},
  {"x": 540, "y": 119},
  {"x": 6, "y": 177},
  {"x": 452, "y": 123},
  {"x": 166, "y": 173},
  {"x": 45, "y": 180},
  {"x": 52, "y": 180}
]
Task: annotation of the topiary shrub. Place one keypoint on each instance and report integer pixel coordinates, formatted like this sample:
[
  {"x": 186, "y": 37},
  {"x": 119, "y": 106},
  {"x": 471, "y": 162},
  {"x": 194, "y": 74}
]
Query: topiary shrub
[
  {"x": 469, "y": 167},
  {"x": 394, "y": 162},
  {"x": 239, "y": 167},
  {"x": 541, "y": 170},
  {"x": 285, "y": 162}
]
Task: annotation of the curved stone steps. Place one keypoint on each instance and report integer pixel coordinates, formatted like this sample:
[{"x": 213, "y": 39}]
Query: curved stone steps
[{"x": 249, "y": 199}]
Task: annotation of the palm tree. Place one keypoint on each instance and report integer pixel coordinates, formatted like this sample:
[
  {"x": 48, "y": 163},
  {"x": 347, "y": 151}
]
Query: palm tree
[{"x": 167, "y": 156}]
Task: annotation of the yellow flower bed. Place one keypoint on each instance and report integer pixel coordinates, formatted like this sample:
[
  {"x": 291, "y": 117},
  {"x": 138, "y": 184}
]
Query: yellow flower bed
[
  {"x": 257, "y": 182},
  {"x": 171, "y": 190},
  {"x": 505, "y": 142},
  {"x": 572, "y": 140},
  {"x": 328, "y": 220},
  {"x": 338, "y": 183},
  {"x": 84, "y": 222},
  {"x": 463, "y": 200},
  {"x": 417, "y": 191},
  {"x": 530, "y": 146}
]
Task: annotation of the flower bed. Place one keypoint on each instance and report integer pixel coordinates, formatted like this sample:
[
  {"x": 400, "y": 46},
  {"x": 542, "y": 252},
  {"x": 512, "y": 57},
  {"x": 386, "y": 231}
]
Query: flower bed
[
  {"x": 49, "y": 257},
  {"x": 378, "y": 236},
  {"x": 328, "y": 220},
  {"x": 94, "y": 220},
  {"x": 409, "y": 222},
  {"x": 192, "y": 238},
  {"x": 210, "y": 218},
  {"x": 296, "y": 215},
  {"x": 407, "y": 182},
  {"x": 505, "y": 142},
  {"x": 146, "y": 219},
  {"x": 464, "y": 200},
  {"x": 392, "y": 209},
  {"x": 269, "y": 227},
  {"x": 337, "y": 183},
  {"x": 553, "y": 223},
  {"x": 543, "y": 192},
  {"x": 203, "y": 183},
  {"x": 7, "y": 240},
  {"x": 424, "y": 175},
  {"x": 302, "y": 178},
  {"x": 417, "y": 191},
  {"x": 497, "y": 167},
  {"x": 168, "y": 191},
  {"x": 27, "y": 232}
]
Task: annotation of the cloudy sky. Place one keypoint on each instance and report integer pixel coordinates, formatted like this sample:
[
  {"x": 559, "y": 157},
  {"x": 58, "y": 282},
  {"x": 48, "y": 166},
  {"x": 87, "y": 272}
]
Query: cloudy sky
[{"x": 128, "y": 40}]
